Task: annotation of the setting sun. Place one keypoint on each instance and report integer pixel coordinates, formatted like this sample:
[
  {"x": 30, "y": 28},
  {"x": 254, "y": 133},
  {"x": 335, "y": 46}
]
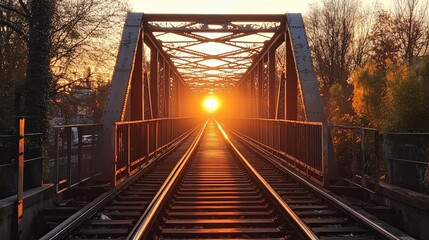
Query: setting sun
[{"x": 211, "y": 104}]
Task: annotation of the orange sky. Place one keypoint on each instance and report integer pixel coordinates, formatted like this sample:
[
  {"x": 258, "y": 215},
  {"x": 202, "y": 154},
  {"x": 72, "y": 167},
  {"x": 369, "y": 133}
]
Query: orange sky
[{"x": 226, "y": 6}]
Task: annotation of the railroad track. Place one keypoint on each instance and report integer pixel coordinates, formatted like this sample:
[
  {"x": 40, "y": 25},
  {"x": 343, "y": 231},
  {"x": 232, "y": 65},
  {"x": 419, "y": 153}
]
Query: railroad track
[
  {"x": 113, "y": 214},
  {"x": 326, "y": 216},
  {"x": 217, "y": 197},
  {"x": 216, "y": 191}
]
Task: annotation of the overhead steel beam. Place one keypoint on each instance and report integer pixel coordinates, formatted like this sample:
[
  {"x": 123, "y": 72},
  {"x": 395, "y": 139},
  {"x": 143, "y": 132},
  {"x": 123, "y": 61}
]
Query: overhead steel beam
[
  {"x": 189, "y": 30},
  {"x": 215, "y": 18},
  {"x": 274, "y": 42}
]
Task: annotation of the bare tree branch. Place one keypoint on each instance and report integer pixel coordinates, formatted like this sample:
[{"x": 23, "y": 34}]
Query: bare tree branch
[
  {"x": 14, "y": 28},
  {"x": 14, "y": 10},
  {"x": 24, "y": 7}
]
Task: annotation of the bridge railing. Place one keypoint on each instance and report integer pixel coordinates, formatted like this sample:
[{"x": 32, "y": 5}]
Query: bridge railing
[
  {"x": 357, "y": 154},
  {"x": 137, "y": 142},
  {"x": 9, "y": 171},
  {"x": 301, "y": 145},
  {"x": 72, "y": 154},
  {"x": 406, "y": 158}
]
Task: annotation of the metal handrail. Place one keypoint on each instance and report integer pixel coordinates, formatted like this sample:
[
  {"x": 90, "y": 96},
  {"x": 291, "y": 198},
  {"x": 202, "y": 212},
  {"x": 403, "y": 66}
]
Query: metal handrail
[
  {"x": 153, "y": 136},
  {"x": 65, "y": 154},
  {"x": 151, "y": 120},
  {"x": 78, "y": 125},
  {"x": 285, "y": 207},
  {"x": 287, "y": 139},
  {"x": 407, "y": 161},
  {"x": 282, "y": 120},
  {"x": 147, "y": 218}
]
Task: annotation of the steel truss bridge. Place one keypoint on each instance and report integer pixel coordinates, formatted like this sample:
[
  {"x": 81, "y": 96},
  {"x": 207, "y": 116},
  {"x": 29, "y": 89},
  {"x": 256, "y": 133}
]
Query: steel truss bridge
[
  {"x": 260, "y": 65},
  {"x": 256, "y": 169}
]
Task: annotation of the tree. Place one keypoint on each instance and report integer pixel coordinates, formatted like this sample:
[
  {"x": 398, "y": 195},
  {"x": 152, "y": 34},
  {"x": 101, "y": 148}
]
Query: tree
[
  {"x": 81, "y": 36},
  {"x": 407, "y": 97},
  {"x": 39, "y": 79},
  {"x": 384, "y": 45},
  {"x": 13, "y": 63},
  {"x": 85, "y": 34},
  {"x": 411, "y": 28},
  {"x": 332, "y": 28},
  {"x": 369, "y": 85}
]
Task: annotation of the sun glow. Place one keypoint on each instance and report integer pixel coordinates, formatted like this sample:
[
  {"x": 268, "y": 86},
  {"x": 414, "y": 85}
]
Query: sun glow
[{"x": 211, "y": 104}]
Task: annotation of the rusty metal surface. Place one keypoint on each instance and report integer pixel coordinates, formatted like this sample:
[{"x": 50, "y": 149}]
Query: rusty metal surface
[
  {"x": 304, "y": 67},
  {"x": 209, "y": 18},
  {"x": 116, "y": 102}
]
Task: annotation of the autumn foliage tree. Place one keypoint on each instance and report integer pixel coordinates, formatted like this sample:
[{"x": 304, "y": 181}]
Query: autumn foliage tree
[
  {"x": 391, "y": 91},
  {"x": 338, "y": 33}
]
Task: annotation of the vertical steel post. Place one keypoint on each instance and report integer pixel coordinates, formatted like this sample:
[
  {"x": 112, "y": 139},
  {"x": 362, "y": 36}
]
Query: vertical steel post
[
  {"x": 128, "y": 149},
  {"x": 153, "y": 89},
  {"x": 147, "y": 141},
  {"x": 116, "y": 153},
  {"x": 57, "y": 159},
  {"x": 79, "y": 152},
  {"x": 272, "y": 83},
  {"x": 362, "y": 147},
  {"x": 20, "y": 175},
  {"x": 156, "y": 137},
  {"x": 354, "y": 160},
  {"x": 260, "y": 68},
  {"x": 325, "y": 153},
  {"x": 69, "y": 154},
  {"x": 167, "y": 103},
  {"x": 377, "y": 162}
]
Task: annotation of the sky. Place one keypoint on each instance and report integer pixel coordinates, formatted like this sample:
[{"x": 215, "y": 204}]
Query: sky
[{"x": 227, "y": 6}]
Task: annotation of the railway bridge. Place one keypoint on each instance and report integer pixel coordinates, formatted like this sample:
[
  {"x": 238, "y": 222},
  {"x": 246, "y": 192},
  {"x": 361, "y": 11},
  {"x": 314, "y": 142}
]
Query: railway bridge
[{"x": 263, "y": 165}]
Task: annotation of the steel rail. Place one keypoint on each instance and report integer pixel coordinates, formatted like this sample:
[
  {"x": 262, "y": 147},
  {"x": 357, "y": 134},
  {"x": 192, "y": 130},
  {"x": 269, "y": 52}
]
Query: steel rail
[
  {"x": 342, "y": 206},
  {"x": 142, "y": 226},
  {"x": 80, "y": 216},
  {"x": 285, "y": 207}
]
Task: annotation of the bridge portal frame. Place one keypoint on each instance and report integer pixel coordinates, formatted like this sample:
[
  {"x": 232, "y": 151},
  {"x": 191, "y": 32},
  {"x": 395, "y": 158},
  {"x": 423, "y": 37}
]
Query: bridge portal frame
[{"x": 139, "y": 92}]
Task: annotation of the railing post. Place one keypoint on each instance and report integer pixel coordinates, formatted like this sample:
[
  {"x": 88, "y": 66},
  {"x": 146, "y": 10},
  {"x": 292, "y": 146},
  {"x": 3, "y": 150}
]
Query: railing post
[
  {"x": 79, "y": 152},
  {"x": 377, "y": 162},
  {"x": 20, "y": 176},
  {"x": 69, "y": 154},
  {"x": 325, "y": 153},
  {"x": 362, "y": 146},
  {"x": 147, "y": 141},
  {"x": 354, "y": 160},
  {"x": 128, "y": 149},
  {"x": 57, "y": 159},
  {"x": 156, "y": 136},
  {"x": 116, "y": 149}
]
